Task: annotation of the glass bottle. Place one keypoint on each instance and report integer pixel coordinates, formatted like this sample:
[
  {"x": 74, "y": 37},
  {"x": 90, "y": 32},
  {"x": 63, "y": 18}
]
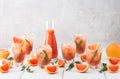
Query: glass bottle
[{"x": 51, "y": 39}]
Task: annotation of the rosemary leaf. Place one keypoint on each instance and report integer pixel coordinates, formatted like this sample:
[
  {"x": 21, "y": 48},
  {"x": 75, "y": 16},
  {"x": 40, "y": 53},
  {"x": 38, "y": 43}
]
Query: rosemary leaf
[
  {"x": 70, "y": 67},
  {"x": 23, "y": 68},
  {"x": 29, "y": 70},
  {"x": 52, "y": 63},
  {"x": 56, "y": 61},
  {"x": 10, "y": 58},
  {"x": 77, "y": 62},
  {"x": 27, "y": 41},
  {"x": 104, "y": 68},
  {"x": 46, "y": 56}
]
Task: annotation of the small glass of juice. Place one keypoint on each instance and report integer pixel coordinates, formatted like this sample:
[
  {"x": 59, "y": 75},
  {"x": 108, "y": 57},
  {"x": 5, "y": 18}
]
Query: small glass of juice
[
  {"x": 68, "y": 52},
  {"x": 44, "y": 55}
]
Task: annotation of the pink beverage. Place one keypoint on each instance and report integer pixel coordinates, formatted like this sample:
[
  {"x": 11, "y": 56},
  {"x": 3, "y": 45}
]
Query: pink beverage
[
  {"x": 68, "y": 51},
  {"x": 18, "y": 50},
  {"x": 18, "y": 54},
  {"x": 93, "y": 54},
  {"x": 44, "y": 55},
  {"x": 80, "y": 42},
  {"x": 28, "y": 44},
  {"x": 51, "y": 40}
]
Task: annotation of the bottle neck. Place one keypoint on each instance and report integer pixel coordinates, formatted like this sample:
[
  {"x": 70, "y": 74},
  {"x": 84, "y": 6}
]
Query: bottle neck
[
  {"x": 50, "y": 31},
  {"x": 50, "y": 25}
]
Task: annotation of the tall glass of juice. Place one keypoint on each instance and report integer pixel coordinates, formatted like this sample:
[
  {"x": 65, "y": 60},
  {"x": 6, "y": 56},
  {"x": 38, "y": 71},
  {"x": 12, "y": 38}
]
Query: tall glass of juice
[
  {"x": 93, "y": 55},
  {"x": 18, "y": 50},
  {"x": 80, "y": 42}
]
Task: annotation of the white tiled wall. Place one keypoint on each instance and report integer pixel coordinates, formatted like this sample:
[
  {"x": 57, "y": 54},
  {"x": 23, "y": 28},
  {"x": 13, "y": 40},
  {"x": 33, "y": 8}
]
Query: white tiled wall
[{"x": 98, "y": 20}]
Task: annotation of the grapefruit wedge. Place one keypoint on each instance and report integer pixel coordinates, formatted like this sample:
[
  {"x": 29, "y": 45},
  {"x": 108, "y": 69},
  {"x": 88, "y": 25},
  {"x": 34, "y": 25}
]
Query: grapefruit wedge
[
  {"x": 10, "y": 62},
  {"x": 4, "y": 66},
  {"x": 114, "y": 61},
  {"x": 113, "y": 68},
  {"x": 61, "y": 63},
  {"x": 94, "y": 47},
  {"x": 83, "y": 58},
  {"x": 81, "y": 67},
  {"x": 50, "y": 69},
  {"x": 17, "y": 40},
  {"x": 33, "y": 62}
]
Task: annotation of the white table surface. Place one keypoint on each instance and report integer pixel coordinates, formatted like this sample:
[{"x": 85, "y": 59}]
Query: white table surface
[{"x": 15, "y": 73}]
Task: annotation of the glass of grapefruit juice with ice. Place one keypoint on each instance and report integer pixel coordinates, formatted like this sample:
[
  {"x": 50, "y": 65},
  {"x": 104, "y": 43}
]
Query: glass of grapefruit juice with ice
[
  {"x": 93, "y": 55},
  {"x": 44, "y": 55},
  {"x": 80, "y": 43},
  {"x": 18, "y": 50},
  {"x": 68, "y": 52}
]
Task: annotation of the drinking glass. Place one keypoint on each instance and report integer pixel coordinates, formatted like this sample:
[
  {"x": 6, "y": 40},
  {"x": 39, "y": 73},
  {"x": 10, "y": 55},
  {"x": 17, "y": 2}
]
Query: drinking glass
[
  {"x": 68, "y": 52},
  {"x": 80, "y": 43},
  {"x": 18, "y": 53},
  {"x": 93, "y": 55},
  {"x": 28, "y": 43},
  {"x": 44, "y": 55}
]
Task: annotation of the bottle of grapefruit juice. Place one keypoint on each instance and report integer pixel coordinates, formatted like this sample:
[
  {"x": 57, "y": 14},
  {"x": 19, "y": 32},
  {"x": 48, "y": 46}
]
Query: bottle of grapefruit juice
[{"x": 51, "y": 39}]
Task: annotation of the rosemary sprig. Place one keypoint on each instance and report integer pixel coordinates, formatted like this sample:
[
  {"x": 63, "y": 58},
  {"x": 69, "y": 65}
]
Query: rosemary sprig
[
  {"x": 10, "y": 58},
  {"x": 77, "y": 62},
  {"x": 27, "y": 68},
  {"x": 70, "y": 67},
  {"x": 54, "y": 62},
  {"x": 78, "y": 45},
  {"x": 27, "y": 41},
  {"x": 46, "y": 56},
  {"x": 104, "y": 68},
  {"x": 23, "y": 68},
  {"x": 19, "y": 56}
]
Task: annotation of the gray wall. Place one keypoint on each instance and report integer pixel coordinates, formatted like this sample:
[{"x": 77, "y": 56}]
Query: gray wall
[{"x": 98, "y": 20}]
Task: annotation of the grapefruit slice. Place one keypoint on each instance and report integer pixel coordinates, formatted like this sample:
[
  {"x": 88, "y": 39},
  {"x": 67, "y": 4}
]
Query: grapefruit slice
[
  {"x": 17, "y": 40},
  {"x": 81, "y": 67},
  {"x": 4, "y": 66},
  {"x": 33, "y": 62},
  {"x": 114, "y": 61},
  {"x": 113, "y": 68},
  {"x": 51, "y": 69},
  {"x": 94, "y": 46},
  {"x": 10, "y": 63},
  {"x": 61, "y": 63},
  {"x": 83, "y": 57}
]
